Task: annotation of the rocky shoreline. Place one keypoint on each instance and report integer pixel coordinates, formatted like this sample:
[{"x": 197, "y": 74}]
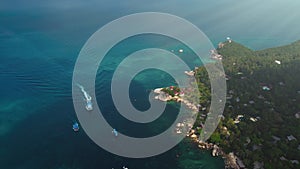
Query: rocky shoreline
[
  {"x": 162, "y": 96},
  {"x": 231, "y": 160}
]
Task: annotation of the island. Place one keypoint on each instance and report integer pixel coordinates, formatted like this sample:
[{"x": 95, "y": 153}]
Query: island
[{"x": 260, "y": 123}]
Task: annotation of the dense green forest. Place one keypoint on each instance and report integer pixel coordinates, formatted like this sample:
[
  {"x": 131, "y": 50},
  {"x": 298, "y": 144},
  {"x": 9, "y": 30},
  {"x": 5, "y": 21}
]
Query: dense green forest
[{"x": 261, "y": 121}]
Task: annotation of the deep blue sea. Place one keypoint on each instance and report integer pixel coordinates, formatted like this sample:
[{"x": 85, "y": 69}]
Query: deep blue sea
[{"x": 39, "y": 45}]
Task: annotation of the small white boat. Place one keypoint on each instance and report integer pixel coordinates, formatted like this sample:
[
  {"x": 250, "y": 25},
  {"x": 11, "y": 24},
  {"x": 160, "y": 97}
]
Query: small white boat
[
  {"x": 115, "y": 132},
  {"x": 89, "y": 105}
]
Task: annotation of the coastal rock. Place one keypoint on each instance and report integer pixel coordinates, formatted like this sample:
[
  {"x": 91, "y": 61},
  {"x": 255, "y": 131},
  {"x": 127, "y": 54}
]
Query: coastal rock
[
  {"x": 215, "y": 150},
  {"x": 189, "y": 73},
  {"x": 162, "y": 96}
]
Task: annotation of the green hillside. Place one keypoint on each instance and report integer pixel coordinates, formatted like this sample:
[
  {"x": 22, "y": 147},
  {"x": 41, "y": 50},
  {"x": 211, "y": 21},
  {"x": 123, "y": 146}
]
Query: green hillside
[{"x": 264, "y": 88}]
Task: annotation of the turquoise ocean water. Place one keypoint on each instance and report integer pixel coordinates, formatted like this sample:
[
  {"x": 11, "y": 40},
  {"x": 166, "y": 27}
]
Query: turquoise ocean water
[{"x": 39, "y": 44}]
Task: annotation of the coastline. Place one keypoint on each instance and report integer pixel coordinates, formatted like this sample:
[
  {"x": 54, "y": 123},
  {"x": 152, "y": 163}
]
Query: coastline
[
  {"x": 165, "y": 97},
  {"x": 230, "y": 160}
]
